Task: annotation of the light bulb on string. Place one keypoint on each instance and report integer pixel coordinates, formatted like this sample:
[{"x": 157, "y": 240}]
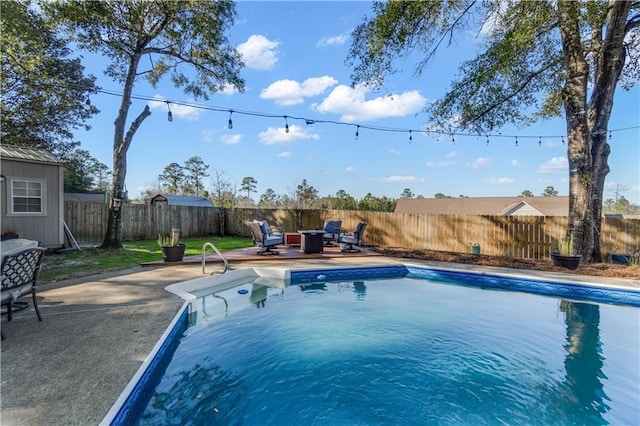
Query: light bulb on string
[
  {"x": 230, "y": 125},
  {"x": 169, "y": 115},
  {"x": 453, "y": 140},
  {"x": 540, "y": 141},
  {"x": 610, "y": 136},
  {"x": 563, "y": 140},
  {"x": 357, "y": 132},
  {"x": 516, "y": 141},
  {"x": 487, "y": 140},
  {"x": 286, "y": 125},
  {"x": 410, "y": 136}
]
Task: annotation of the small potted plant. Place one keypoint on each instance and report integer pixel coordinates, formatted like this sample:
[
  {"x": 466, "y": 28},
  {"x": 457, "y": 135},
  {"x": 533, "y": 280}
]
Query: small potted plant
[
  {"x": 9, "y": 234},
  {"x": 172, "y": 249},
  {"x": 565, "y": 255}
]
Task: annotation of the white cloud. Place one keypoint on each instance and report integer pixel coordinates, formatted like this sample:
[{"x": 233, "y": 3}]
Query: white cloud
[
  {"x": 452, "y": 154},
  {"x": 499, "y": 181},
  {"x": 259, "y": 53},
  {"x": 401, "y": 179},
  {"x": 285, "y": 154},
  {"x": 333, "y": 40},
  {"x": 352, "y": 105},
  {"x": 278, "y": 136},
  {"x": 351, "y": 169},
  {"x": 228, "y": 90},
  {"x": 184, "y": 112},
  {"x": 440, "y": 163},
  {"x": 555, "y": 165},
  {"x": 515, "y": 163},
  {"x": 290, "y": 92},
  {"x": 395, "y": 152},
  {"x": 480, "y": 162},
  {"x": 207, "y": 135},
  {"x": 231, "y": 139}
]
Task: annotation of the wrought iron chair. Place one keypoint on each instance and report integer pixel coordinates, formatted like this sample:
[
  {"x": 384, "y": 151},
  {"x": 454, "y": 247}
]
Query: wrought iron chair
[
  {"x": 19, "y": 275},
  {"x": 347, "y": 241}
]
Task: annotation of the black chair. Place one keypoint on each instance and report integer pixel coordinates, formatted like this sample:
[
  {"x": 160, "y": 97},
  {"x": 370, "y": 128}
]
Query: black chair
[
  {"x": 348, "y": 241},
  {"x": 19, "y": 275}
]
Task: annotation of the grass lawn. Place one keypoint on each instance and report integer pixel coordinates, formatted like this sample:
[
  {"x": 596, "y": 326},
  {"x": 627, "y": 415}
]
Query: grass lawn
[{"x": 93, "y": 260}]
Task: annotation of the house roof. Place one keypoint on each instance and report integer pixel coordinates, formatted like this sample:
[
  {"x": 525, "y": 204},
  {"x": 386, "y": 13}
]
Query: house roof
[
  {"x": 30, "y": 155},
  {"x": 85, "y": 196},
  {"x": 488, "y": 206},
  {"x": 181, "y": 200}
]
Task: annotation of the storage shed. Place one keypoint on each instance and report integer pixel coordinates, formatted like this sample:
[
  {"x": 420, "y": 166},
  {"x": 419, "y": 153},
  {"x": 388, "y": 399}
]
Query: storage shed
[
  {"x": 32, "y": 194},
  {"x": 181, "y": 200}
]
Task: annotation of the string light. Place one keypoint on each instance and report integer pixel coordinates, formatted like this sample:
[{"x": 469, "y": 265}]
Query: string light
[
  {"x": 453, "y": 140},
  {"x": 87, "y": 106},
  {"x": 169, "y": 115},
  {"x": 357, "y": 132},
  {"x": 230, "y": 125},
  {"x": 286, "y": 125},
  {"x": 540, "y": 141}
]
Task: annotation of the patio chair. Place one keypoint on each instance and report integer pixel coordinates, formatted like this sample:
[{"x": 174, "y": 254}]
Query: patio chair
[
  {"x": 331, "y": 230},
  {"x": 264, "y": 238},
  {"x": 347, "y": 241},
  {"x": 19, "y": 275}
]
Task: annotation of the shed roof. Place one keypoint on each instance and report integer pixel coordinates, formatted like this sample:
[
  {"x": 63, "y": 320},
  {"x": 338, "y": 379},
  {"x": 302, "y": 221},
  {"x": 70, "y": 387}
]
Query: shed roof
[
  {"x": 31, "y": 155},
  {"x": 182, "y": 200},
  {"x": 490, "y": 206}
]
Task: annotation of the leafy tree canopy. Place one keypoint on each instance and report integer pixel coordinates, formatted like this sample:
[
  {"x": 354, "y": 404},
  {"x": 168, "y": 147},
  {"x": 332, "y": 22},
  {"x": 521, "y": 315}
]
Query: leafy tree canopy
[
  {"x": 536, "y": 59},
  {"x": 43, "y": 89}
]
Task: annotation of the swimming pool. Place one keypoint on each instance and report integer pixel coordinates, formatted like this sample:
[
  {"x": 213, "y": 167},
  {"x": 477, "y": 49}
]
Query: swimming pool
[{"x": 392, "y": 345}]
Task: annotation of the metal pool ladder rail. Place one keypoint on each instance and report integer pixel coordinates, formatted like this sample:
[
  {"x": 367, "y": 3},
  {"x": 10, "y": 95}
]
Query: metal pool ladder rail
[{"x": 215, "y": 249}]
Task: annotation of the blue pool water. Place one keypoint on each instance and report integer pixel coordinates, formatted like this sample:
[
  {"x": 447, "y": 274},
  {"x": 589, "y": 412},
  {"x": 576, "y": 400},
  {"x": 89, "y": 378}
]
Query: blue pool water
[{"x": 353, "y": 348}]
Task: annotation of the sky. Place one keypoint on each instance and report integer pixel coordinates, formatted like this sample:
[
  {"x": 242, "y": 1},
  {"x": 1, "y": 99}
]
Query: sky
[{"x": 295, "y": 55}]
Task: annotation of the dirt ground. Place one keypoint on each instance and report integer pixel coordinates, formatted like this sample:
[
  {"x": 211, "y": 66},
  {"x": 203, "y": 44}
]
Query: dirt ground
[{"x": 595, "y": 269}]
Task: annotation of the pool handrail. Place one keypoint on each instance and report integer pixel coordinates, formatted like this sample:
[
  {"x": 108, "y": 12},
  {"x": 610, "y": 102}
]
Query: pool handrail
[{"x": 215, "y": 249}]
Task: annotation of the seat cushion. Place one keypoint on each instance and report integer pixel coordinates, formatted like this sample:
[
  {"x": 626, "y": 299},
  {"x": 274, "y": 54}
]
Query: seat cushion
[
  {"x": 14, "y": 293},
  {"x": 271, "y": 240},
  {"x": 349, "y": 239},
  {"x": 16, "y": 245}
]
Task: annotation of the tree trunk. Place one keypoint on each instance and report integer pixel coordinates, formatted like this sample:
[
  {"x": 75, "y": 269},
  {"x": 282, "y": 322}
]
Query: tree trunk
[
  {"x": 121, "y": 143},
  {"x": 588, "y": 149}
]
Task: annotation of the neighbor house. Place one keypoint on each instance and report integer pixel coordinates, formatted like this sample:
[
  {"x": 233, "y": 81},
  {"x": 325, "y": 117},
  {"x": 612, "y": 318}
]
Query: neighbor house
[
  {"x": 32, "y": 194},
  {"x": 181, "y": 200},
  {"x": 486, "y": 206}
]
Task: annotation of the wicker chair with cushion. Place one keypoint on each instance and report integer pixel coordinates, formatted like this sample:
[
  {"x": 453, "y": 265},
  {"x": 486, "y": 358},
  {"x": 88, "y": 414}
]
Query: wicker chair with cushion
[
  {"x": 19, "y": 275},
  {"x": 331, "y": 230},
  {"x": 348, "y": 241},
  {"x": 264, "y": 237}
]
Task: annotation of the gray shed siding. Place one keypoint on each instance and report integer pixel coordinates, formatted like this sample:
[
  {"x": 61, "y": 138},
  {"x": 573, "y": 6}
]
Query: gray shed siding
[{"x": 47, "y": 228}]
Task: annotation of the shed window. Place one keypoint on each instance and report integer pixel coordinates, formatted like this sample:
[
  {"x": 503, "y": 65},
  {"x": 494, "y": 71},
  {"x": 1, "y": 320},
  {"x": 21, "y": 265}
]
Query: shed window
[{"x": 28, "y": 197}]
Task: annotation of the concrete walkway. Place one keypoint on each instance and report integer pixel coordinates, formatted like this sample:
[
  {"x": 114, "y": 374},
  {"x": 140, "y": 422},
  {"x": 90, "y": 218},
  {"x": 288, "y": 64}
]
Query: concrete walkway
[{"x": 70, "y": 368}]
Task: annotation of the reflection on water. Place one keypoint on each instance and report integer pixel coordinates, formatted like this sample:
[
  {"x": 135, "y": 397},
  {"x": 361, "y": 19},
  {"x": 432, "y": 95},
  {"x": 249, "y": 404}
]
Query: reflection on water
[
  {"x": 360, "y": 289},
  {"x": 582, "y": 387},
  {"x": 258, "y": 295}
]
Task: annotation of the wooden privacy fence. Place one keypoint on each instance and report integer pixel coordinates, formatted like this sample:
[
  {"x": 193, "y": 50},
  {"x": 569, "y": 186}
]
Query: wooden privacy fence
[{"x": 531, "y": 237}]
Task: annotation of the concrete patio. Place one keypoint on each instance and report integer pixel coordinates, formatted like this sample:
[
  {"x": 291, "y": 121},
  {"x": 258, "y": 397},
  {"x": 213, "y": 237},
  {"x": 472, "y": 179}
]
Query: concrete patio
[{"x": 70, "y": 368}]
